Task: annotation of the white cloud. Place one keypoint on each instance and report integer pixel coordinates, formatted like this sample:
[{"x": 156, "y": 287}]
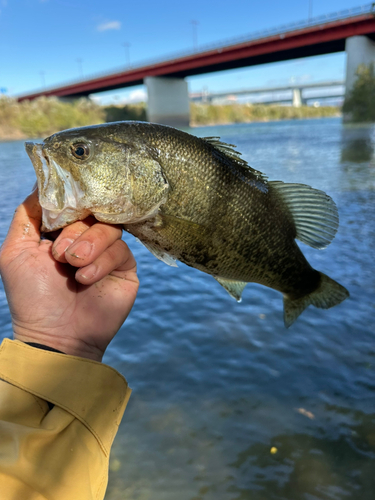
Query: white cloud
[
  {"x": 110, "y": 25},
  {"x": 121, "y": 97},
  {"x": 138, "y": 95},
  {"x": 301, "y": 78}
]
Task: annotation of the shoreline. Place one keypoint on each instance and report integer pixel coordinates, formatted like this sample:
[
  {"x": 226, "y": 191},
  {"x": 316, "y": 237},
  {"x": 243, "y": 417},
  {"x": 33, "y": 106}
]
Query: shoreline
[
  {"x": 47, "y": 115},
  {"x": 18, "y": 135},
  {"x": 263, "y": 120},
  {"x": 12, "y": 135}
]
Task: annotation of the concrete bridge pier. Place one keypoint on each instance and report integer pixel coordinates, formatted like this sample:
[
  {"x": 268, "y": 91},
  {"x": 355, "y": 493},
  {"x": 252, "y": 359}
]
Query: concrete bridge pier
[
  {"x": 168, "y": 101},
  {"x": 297, "y": 98},
  {"x": 359, "y": 50}
]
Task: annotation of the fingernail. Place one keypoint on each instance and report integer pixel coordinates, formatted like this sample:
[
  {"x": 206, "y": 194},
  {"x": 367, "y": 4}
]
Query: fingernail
[
  {"x": 81, "y": 250},
  {"x": 89, "y": 272},
  {"x": 62, "y": 246}
]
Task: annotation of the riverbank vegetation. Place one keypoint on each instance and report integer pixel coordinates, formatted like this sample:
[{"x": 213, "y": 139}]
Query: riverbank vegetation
[
  {"x": 126, "y": 112},
  {"x": 46, "y": 115},
  {"x": 215, "y": 114},
  {"x": 359, "y": 106},
  {"x": 210, "y": 114}
]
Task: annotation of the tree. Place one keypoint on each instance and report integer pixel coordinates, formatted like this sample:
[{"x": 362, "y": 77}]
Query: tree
[{"x": 360, "y": 103}]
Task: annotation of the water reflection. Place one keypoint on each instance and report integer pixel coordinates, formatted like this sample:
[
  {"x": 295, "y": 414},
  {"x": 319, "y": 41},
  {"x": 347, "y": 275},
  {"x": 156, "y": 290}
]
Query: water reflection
[
  {"x": 357, "y": 143},
  {"x": 358, "y": 157}
]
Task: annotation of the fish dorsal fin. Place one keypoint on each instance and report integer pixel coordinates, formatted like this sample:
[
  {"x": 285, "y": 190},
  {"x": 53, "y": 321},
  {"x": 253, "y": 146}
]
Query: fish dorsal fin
[
  {"x": 314, "y": 213},
  {"x": 229, "y": 151},
  {"x": 234, "y": 288},
  {"x": 225, "y": 148}
]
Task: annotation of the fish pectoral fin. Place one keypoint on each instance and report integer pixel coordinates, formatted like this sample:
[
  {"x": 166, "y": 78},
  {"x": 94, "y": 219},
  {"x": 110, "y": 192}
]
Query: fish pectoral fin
[
  {"x": 234, "y": 288},
  {"x": 183, "y": 226},
  {"x": 160, "y": 254},
  {"x": 173, "y": 219},
  {"x": 314, "y": 213}
]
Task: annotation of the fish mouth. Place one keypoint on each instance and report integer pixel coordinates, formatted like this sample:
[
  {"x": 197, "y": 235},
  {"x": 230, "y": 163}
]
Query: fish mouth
[{"x": 60, "y": 196}]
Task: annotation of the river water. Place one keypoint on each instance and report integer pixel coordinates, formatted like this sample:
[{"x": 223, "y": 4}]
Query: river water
[{"x": 216, "y": 384}]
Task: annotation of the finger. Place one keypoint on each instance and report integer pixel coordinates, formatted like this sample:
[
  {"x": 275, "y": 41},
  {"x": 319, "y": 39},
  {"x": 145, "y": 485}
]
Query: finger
[
  {"x": 68, "y": 236},
  {"x": 92, "y": 243},
  {"x": 25, "y": 226},
  {"x": 116, "y": 260}
]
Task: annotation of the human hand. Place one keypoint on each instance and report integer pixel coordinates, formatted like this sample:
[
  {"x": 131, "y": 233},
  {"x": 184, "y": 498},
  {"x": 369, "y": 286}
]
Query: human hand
[{"x": 77, "y": 311}]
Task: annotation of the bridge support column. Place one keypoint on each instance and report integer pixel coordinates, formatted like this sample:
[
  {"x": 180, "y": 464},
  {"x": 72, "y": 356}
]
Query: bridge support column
[
  {"x": 168, "y": 101},
  {"x": 297, "y": 98},
  {"x": 359, "y": 50}
]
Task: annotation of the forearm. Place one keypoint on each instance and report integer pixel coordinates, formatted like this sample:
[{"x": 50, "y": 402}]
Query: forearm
[{"x": 61, "y": 452}]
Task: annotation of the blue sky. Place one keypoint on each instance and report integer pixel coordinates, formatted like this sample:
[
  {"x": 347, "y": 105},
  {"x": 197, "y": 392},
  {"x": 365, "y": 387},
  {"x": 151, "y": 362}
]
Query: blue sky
[{"x": 55, "y": 40}]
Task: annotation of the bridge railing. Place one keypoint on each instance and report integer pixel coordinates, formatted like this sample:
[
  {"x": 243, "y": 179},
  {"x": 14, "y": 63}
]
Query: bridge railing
[
  {"x": 257, "y": 35},
  {"x": 294, "y": 26}
]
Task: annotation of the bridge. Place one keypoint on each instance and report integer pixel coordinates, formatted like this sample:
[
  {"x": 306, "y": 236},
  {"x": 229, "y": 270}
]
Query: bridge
[
  {"x": 296, "y": 91},
  {"x": 351, "y": 30}
]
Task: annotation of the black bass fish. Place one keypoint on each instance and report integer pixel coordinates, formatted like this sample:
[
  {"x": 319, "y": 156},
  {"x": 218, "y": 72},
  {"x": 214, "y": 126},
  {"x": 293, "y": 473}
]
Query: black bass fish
[{"x": 194, "y": 200}]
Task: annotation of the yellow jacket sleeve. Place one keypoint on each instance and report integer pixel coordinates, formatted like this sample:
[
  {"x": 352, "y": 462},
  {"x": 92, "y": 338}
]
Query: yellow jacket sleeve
[{"x": 60, "y": 453}]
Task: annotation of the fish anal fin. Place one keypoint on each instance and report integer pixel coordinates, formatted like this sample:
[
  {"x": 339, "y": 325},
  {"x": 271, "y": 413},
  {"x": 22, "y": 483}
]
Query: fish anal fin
[
  {"x": 234, "y": 288},
  {"x": 314, "y": 213}
]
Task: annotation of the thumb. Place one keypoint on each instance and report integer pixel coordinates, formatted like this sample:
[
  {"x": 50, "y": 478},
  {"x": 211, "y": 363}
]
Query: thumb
[{"x": 26, "y": 222}]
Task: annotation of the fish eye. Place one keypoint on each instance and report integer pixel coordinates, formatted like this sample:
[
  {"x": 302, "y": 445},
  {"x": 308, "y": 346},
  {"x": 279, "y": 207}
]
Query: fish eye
[{"x": 80, "y": 150}]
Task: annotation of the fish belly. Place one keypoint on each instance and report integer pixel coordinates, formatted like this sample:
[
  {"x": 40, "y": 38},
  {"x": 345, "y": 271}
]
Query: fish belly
[{"x": 275, "y": 262}]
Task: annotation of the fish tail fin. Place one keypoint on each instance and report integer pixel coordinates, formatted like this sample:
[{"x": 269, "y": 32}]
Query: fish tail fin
[{"x": 328, "y": 294}]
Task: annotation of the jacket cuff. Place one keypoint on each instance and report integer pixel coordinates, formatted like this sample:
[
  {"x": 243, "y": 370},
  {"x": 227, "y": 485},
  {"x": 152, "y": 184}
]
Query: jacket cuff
[{"x": 94, "y": 393}]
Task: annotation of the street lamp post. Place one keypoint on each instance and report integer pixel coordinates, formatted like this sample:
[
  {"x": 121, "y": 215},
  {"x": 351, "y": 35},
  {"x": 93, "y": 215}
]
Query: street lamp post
[
  {"x": 42, "y": 76},
  {"x": 80, "y": 67},
  {"x": 127, "y": 53},
  {"x": 194, "y": 24}
]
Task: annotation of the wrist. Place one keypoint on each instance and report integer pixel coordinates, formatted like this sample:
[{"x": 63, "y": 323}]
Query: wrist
[{"x": 65, "y": 344}]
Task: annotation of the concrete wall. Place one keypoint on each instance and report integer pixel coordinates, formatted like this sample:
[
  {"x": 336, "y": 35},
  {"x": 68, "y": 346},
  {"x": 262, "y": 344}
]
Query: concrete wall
[
  {"x": 168, "y": 101},
  {"x": 359, "y": 50}
]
